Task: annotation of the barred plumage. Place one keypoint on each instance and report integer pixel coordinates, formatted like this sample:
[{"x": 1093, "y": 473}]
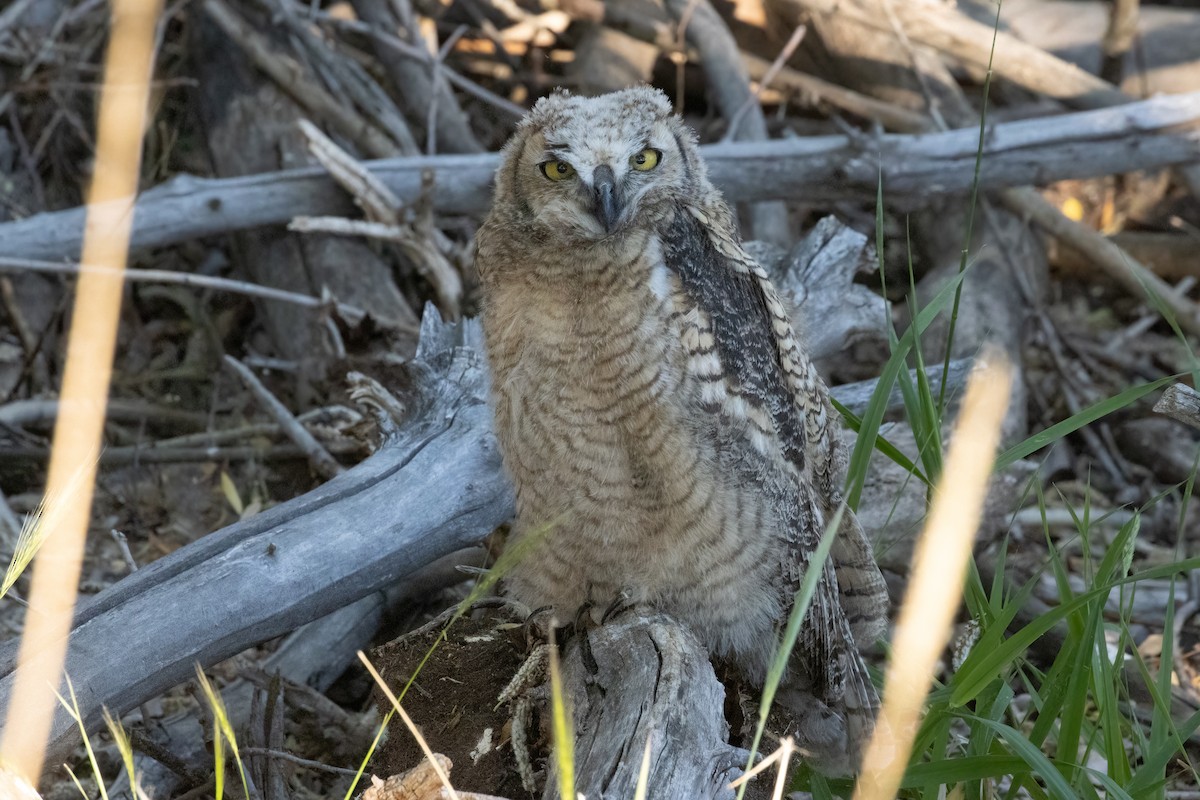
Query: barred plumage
[{"x": 659, "y": 416}]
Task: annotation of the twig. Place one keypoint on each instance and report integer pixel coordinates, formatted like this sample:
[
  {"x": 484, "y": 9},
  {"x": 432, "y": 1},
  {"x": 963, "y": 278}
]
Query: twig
[
  {"x": 35, "y": 359},
  {"x": 292, "y": 78},
  {"x": 144, "y": 744},
  {"x": 790, "y": 47},
  {"x": 21, "y": 413},
  {"x": 435, "y": 77},
  {"x": 382, "y": 206},
  {"x": 318, "y": 456},
  {"x": 890, "y": 116},
  {"x": 199, "y": 792},
  {"x": 304, "y": 762},
  {"x": 43, "y": 52},
  {"x": 351, "y": 314},
  {"x": 1138, "y": 280},
  {"x": 12, "y": 14},
  {"x": 1071, "y": 377},
  {"x": 920, "y": 72},
  {"x": 1144, "y": 323},
  {"x": 123, "y": 543}
]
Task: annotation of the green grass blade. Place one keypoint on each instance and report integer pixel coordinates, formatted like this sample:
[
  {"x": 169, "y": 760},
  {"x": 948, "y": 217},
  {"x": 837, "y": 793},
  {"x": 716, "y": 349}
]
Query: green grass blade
[
  {"x": 223, "y": 728},
  {"x": 564, "y": 730},
  {"x": 961, "y": 770},
  {"x": 366, "y": 760},
  {"x": 804, "y": 596},
  {"x": 72, "y": 709},
  {"x": 1073, "y": 423},
  {"x": 125, "y": 748},
  {"x": 1034, "y": 759},
  {"x": 882, "y": 444},
  {"x": 872, "y": 417},
  {"x": 969, "y": 233},
  {"x": 987, "y": 662}
]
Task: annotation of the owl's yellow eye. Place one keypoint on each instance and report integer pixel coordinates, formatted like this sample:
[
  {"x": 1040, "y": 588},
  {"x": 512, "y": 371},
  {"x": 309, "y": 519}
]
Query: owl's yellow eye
[
  {"x": 557, "y": 170},
  {"x": 645, "y": 160}
]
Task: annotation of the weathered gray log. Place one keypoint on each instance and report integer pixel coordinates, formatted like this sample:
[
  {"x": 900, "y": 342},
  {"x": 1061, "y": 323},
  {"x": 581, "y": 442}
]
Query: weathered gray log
[
  {"x": 818, "y": 274},
  {"x": 1146, "y": 135},
  {"x": 646, "y": 677},
  {"x": 435, "y": 489},
  {"x": 313, "y": 656},
  {"x": 1180, "y": 402}
]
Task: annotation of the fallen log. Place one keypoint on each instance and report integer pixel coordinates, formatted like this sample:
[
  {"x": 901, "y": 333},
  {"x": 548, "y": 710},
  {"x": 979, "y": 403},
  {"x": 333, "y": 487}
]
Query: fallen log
[
  {"x": 643, "y": 684},
  {"x": 435, "y": 488},
  {"x": 1146, "y": 135}
]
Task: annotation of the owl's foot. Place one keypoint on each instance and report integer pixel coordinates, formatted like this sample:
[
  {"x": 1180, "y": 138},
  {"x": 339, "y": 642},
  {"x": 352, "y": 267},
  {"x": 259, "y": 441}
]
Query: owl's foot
[
  {"x": 522, "y": 693},
  {"x": 821, "y": 733}
]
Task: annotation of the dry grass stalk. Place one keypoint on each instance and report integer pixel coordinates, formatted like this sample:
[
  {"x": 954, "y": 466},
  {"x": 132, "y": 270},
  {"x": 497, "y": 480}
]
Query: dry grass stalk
[
  {"x": 939, "y": 568},
  {"x": 122, "y": 120}
]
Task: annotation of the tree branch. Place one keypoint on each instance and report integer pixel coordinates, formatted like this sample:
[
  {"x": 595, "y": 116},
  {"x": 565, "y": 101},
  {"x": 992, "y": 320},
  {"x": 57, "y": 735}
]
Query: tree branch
[{"x": 1146, "y": 135}]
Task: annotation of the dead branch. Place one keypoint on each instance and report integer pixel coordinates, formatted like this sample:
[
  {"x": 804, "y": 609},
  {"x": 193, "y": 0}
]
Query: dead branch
[
  {"x": 1104, "y": 255},
  {"x": 320, "y": 459},
  {"x": 435, "y": 489},
  {"x": 1146, "y": 135},
  {"x": 350, "y": 313},
  {"x": 730, "y": 85}
]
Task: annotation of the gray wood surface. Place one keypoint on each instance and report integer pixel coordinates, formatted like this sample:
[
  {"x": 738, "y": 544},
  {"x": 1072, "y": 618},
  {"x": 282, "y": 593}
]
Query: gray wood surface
[
  {"x": 645, "y": 676},
  {"x": 1145, "y": 135},
  {"x": 435, "y": 489}
]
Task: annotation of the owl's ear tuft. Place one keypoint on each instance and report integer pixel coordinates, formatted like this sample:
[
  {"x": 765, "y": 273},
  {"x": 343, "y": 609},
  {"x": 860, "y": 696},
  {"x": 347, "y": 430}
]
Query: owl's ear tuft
[
  {"x": 657, "y": 98},
  {"x": 547, "y": 108}
]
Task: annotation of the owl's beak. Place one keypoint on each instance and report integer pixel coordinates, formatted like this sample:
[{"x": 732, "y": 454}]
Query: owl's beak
[{"x": 608, "y": 206}]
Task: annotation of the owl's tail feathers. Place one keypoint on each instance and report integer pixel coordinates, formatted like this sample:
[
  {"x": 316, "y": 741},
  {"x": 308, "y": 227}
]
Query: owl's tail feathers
[
  {"x": 862, "y": 706},
  {"x": 834, "y": 734},
  {"x": 861, "y": 588}
]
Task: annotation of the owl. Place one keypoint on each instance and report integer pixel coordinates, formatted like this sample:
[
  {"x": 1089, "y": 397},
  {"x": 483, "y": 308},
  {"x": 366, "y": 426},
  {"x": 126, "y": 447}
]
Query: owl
[{"x": 669, "y": 440}]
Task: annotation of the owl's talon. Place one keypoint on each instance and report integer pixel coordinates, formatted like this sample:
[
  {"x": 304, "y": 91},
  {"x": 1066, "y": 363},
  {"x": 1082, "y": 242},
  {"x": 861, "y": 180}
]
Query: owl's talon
[{"x": 620, "y": 604}]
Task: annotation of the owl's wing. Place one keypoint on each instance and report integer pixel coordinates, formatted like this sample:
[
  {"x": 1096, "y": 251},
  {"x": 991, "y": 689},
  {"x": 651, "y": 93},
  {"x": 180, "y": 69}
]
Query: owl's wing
[{"x": 752, "y": 371}]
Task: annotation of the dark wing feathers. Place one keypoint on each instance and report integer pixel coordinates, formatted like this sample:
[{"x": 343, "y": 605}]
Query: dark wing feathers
[
  {"x": 741, "y": 326},
  {"x": 766, "y": 369}
]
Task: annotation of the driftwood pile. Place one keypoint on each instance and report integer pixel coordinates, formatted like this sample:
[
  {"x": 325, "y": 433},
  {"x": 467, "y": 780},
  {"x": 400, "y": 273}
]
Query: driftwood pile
[{"x": 314, "y": 176}]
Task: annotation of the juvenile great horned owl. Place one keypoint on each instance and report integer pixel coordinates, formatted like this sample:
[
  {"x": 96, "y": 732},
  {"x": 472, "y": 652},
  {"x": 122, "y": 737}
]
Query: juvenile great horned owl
[{"x": 668, "y": 437}]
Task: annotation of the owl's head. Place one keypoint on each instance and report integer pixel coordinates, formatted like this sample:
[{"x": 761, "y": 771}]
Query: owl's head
[{"x": 596, "y": 167}]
